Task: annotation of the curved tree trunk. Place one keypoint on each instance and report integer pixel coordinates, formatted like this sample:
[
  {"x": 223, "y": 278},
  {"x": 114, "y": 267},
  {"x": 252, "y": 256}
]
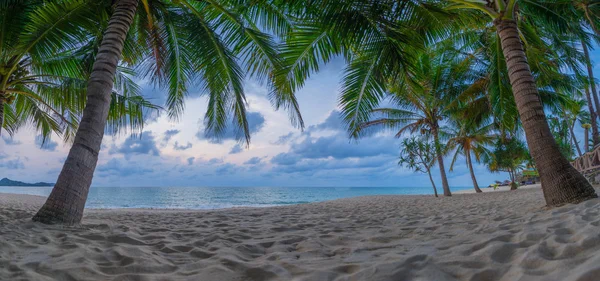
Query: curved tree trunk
[
  {"x": 561, "y": 183},
  {"x": 67, "y": 200},
  {"x": 593, "y": 120},
  {"x": 594, "y": 94},
  {"x": 2, "y": 97},
  {"x": 432, "y": 183},
  {"x": 574, "y": 139},
  {"x": 440, "y": 158},
  {"x": 470, "y": 164}
]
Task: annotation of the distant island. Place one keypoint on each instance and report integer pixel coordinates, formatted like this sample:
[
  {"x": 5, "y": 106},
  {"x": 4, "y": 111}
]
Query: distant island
[{"x": 7, "y": 182}]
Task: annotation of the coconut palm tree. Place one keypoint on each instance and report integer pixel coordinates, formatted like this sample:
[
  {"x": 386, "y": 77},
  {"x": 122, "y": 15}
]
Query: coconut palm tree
[
  {"x": 470, "y": 139},
  {"x": 562, "y": 183},
  {"x": 508, "y": 155},
  {"x": 42, "y": 77},
  {"x": 176, "y": 43},
  {"x": 424, "y": 99},
  {"x": 586, "y": 137},
  {"x": 575, "y": 112}
]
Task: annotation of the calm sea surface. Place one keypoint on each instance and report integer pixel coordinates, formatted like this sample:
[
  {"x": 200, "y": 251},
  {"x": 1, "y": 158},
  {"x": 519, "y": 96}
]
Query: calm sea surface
[{"x": 218, "y": 197}]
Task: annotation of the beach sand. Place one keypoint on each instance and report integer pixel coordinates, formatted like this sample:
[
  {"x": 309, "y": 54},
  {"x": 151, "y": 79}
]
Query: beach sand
[{"x": 489, "y": 236}]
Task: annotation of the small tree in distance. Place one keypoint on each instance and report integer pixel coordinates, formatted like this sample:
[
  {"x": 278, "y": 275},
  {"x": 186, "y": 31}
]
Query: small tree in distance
[{"x": 419, "y": 155}]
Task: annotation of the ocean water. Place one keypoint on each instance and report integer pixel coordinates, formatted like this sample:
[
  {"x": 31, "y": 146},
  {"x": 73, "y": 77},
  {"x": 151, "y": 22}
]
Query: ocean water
[{"x": 218, "y": 197}]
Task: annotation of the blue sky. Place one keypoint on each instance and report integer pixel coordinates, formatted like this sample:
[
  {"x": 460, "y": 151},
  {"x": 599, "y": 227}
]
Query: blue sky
[{"x": 179, "y": 154}]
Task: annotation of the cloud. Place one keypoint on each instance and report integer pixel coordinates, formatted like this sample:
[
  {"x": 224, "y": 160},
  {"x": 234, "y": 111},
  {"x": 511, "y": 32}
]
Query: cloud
[
  {"x": 309, "y": 154},
  {"x": 145, "y": 144},
  {"x": 256, "y": 122},
  {"x": 253, "y": 161},
  {"x": 312, "y": 166},
  {"x": 285, "y": 159},
  {"x": 176, "y": 146},
  {"x": 339, "y": 147},
  {"x": 14, "y": 164},
  {"x": 227, "y": 168},
  {"x": 190, "y": 160},
  {"x": 122, "y": 168},
  {"x": 48, "y": 145},
  {"x": 283, "y": 139},
  {"x": 236, "y": 149},
  {"x": 213, "y": 161},
  {"x": 10, "y": 141},
  {"x": 169, "y": 134},
  {"x": 332, "y": 122}
]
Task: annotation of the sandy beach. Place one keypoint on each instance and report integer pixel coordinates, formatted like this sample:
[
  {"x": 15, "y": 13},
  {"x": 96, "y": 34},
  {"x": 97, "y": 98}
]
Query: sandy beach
[{"x": 489, "y": 236}]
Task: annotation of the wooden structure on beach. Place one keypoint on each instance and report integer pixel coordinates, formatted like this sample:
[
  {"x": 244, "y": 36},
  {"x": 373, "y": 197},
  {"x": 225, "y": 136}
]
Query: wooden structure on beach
[
  {"x": 588, "y": 165},
  {"x": 588, "y": 161}
]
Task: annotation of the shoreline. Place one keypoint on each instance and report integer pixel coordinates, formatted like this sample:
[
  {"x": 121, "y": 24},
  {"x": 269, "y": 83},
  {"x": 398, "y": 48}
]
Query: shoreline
[
  {"x": 458, "y": 192},
  {"x": 489, "y": 236}
]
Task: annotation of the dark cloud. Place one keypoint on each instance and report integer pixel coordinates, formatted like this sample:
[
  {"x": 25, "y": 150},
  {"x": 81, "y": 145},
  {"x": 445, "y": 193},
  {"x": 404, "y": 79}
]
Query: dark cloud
[
  {"x": 309, "y": 154},
  {"x": 144, "y": 144},
  {"x": 122, "y": 168},
  {"x": 190, "y": 160},
  {"x": 10, "y": 141},
  {"x": 14, "y": 164},
  {"x": 213, "y": 161},
  {"x": 169, "y": 134},
  {"x": 256, "y": 122},
  {"x": 227, "y": 168},
  {"x": 236, "y": 149},
  {"x": 285, "y": 159},
  {"x": 332, "y": 122},
  {"x": 339, "y": 147},
  {"x": 177, "y": 146},
  {"x": 253, "y": 161},
  {"x": 48, "y": 145},
  {"x": 311, "y": 166},
  {"x": 283, "y": 139}
]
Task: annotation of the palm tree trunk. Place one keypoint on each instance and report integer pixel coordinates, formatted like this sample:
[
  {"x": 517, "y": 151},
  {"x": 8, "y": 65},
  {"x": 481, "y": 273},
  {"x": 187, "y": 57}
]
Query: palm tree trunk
[
  {"x": 561, "y": 183},
  {"x": 2, "y": 97},
  {"x": 513, "y": 183},
  {"x": 586, "y": 144},
  {"x": 67, "y": 199},
  {"x": 593, "y": 116},
  {"x": 432, "y": 183},
  {"x": 594, "y": 94},
  {"x": 440, "y": 158},
  {"x": 574, "y": 139},
  {"x": 470, "y": 164}
]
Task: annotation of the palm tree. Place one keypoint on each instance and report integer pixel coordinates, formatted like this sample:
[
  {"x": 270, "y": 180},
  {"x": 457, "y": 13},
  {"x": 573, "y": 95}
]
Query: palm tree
[
  {"x": 573, "y": 112},
  {"x": 586, "y": 138},
  {"x": 508, "y": 155},
  {"x": 42, "y": 78},
  {"x": 425, "y": 98},
  {"x": 419, "y": 154},
  {"x": 562, "y": 183},
  {"x": 470, "y": 138},
  {"x": 176, "y": 43}
]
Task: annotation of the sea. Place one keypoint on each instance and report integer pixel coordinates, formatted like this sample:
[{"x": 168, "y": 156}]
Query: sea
[{"x": 218, "y": 197}]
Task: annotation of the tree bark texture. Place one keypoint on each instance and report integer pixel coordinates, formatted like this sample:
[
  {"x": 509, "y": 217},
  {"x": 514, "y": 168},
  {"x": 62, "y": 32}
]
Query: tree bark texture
[
  {"x": 67, "y": 200},
  {"x": 470, "y": 164},
  {"x": 440, "y": 158},
  {"x": 594, "y": 94},
  {"x": 561, "y": 182},
  {"x": 432, "y": 183}
]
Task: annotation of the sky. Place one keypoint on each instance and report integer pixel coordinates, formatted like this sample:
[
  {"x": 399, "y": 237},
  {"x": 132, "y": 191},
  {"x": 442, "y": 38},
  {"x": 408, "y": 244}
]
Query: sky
[{"x": 169, "y": 153}]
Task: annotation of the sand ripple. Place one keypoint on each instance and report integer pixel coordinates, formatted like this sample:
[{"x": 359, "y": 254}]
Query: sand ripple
[{"x": 494, "y": 236}]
